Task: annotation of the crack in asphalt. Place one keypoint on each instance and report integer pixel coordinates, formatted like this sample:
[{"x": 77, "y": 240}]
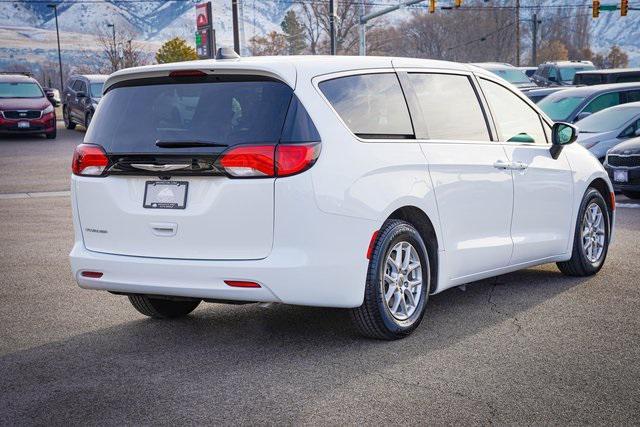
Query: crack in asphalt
[
  {"x": 493, "y": 412},
  {"x": 494, "y": 307}
]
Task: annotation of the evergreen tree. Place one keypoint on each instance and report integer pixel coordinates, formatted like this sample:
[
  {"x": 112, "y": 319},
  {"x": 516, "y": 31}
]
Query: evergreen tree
[
  {"x": 175, "y": 50},
  {"x": 294, "y": 33}
]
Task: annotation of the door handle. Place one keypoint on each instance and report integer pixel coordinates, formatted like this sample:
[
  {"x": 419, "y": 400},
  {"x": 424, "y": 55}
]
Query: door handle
[
  {"x": 518, "y": 166},
  {"x": 501, "y": 164}
]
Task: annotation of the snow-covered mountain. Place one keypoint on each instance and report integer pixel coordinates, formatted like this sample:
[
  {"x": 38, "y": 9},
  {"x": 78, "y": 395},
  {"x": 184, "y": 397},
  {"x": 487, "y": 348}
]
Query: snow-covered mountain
[{"x": 157, "y": 21}]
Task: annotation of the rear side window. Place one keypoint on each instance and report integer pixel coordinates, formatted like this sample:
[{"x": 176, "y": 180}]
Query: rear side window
[
  {"x": 450, "y": 107},
  {"x": 628, "y": 78},
  {"x": 603, "y": 101},
  {"x": 371, "y": 105},
  {"x": 633, "y": 96},
  {"x": 227, "y": 111}
]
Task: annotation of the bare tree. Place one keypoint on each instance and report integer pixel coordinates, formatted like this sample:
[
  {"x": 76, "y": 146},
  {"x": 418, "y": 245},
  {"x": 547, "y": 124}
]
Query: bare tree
[
  {"x": 314, "y": 18},
  {"x": 120, "y": 51}
]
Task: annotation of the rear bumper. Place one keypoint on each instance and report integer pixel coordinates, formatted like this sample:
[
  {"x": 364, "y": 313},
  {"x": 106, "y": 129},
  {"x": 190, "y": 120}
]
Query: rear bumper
[{"x": 317, "y": 259}]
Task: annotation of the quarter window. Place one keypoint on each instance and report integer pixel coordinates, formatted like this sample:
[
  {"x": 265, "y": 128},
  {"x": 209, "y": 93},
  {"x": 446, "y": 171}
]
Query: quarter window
[
  {"x": 450, "y": 107},
  {"x": 516, "y": 121},
  {"x": 371, "y": 105}
]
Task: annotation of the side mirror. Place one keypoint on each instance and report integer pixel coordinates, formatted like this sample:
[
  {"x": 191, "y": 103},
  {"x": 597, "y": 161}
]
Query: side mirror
[
  {"x": 562, "y": 134},
  {"x": 582, "y": 116},
  {"x": 637, "y": 132},
  {"x": 52, "y": 99},
  {"x": 81, "y": 94},
  {"x": 552, "y": 79}
]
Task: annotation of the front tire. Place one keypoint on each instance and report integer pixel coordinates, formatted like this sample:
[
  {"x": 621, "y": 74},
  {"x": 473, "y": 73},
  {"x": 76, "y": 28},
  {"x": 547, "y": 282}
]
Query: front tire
[
  {"x": 632, "y": 194},
  {"x": 159, "y": 308},
  {"x": 591, "y": 240},
  {"x": 87, "y": 120},
  {"x": 50, "y": 135},
  {"x": 397, "y": 286}
]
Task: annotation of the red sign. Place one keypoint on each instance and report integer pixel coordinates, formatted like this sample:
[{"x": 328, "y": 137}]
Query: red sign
[{"x": 202, "y": 14}]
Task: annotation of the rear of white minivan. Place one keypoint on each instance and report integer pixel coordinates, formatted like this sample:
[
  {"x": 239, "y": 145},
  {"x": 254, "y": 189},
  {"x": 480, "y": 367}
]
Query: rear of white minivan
[{"x": 174, "y": 189}]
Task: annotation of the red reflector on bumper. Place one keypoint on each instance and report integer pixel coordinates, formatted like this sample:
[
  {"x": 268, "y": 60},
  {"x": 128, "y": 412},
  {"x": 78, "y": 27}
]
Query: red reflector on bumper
[
  {"x": 372, "y": 243},
  {"x": 92, "y": 274},
  {"x": 241, "y": 284}
]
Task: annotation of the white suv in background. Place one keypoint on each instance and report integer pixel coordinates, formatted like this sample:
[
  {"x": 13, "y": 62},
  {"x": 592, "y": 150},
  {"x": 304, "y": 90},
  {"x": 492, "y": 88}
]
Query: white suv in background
[{"x": 360, "y": 182}]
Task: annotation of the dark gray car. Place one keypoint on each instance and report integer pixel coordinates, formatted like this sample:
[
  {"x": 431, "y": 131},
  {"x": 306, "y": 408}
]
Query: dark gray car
[
  {"x": 571, "y": 105},
  {"x": 80, "y": 99},
  {"x": 559, "y": 73}
]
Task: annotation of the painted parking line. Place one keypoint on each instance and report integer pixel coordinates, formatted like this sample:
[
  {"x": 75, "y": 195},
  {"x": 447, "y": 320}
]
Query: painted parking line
[
  {"x": 628, "y": 205},
  {"x": 36, "y": 194}
]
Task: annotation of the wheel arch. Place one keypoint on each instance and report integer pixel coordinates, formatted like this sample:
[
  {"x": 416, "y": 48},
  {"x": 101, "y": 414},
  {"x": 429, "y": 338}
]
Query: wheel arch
[
  {"x": 603, "y": 188},
  {"x": 421, "y": 221}
]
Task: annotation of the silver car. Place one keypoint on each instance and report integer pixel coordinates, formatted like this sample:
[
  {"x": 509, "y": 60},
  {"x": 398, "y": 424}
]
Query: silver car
[{"x": 605, "y": 129}]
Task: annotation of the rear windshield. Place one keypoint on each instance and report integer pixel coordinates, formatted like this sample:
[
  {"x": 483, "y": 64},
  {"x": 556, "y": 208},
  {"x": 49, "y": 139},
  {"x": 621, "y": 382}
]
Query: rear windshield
[
  {"x": 513, "y": 76},
  {"x": 221, "y": 110},
  {"x": 559, "y": 106}
]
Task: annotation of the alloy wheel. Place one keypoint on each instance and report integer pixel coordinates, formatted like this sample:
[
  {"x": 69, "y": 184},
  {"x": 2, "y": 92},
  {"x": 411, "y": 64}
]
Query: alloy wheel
[
  {"x": 593, "y": 233},
  {"x": 402, "y": 282}
]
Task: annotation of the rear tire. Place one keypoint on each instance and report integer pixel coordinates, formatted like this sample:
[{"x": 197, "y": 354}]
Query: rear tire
[
  {"x": 591, "y": 240},
  {"x": 632, "y": 194},
  {"x": 159, "y": 308},
  {"x": 68, "y": 123},
  {"x": 396, "y": 289}
]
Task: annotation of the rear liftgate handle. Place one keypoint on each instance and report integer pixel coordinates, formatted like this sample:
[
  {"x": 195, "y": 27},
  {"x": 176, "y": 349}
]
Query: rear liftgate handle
[{"x": 164, "y": 229}]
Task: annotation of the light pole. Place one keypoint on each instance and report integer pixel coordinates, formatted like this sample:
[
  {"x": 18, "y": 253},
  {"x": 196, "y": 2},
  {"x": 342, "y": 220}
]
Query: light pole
[
  {"x": 55, "y": 12},
  {"x": 115, "y": 48}
]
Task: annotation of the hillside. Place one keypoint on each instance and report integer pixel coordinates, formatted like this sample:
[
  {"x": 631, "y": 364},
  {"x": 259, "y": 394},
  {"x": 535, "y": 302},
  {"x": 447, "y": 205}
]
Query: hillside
[{"x": 157, "y": 21}]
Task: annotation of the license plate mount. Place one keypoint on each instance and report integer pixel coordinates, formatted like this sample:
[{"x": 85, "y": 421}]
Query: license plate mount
[
  {"x": 621, "y": 175},
  {"x": 165, "y": 195},
  {"x": 24, "y": 125}
]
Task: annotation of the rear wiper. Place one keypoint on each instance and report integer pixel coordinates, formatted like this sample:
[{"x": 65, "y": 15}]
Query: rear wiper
[{"x": 187, "y": 144}]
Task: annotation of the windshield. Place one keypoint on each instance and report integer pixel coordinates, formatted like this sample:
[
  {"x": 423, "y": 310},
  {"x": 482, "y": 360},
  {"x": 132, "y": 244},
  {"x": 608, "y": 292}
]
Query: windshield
[
  {"x": 512, "y": 76},
  {"x": 131, "y": 119},
  {"x": 560, "y": 107},
  {"x": 567, "y": 73},
  {"x": 96, "y": 90},
  {"x": 20, "y": 90},
  {"x": 607, "y": 120}
]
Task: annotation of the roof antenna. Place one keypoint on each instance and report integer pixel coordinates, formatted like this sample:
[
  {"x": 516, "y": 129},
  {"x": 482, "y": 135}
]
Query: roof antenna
[{"x": 226, "y": 53}]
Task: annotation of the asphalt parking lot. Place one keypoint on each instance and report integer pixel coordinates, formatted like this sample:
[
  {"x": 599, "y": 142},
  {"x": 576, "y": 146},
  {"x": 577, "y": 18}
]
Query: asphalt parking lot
[{"x": 532, "y": 347}]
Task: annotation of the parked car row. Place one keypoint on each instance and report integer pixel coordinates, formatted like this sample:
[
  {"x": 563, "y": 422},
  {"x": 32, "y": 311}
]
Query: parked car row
[{"x": 28, "y": 108}]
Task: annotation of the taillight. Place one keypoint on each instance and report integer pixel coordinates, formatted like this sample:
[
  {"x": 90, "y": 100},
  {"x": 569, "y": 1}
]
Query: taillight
[
  {"x": 89, "y": 160},
  {"x": 295, "y": 158},
  {"x": 251, "y": 161}
]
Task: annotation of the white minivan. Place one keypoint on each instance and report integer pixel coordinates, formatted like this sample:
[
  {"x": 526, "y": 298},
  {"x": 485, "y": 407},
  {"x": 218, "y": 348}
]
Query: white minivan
[{"x": 367, "y": 183}]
